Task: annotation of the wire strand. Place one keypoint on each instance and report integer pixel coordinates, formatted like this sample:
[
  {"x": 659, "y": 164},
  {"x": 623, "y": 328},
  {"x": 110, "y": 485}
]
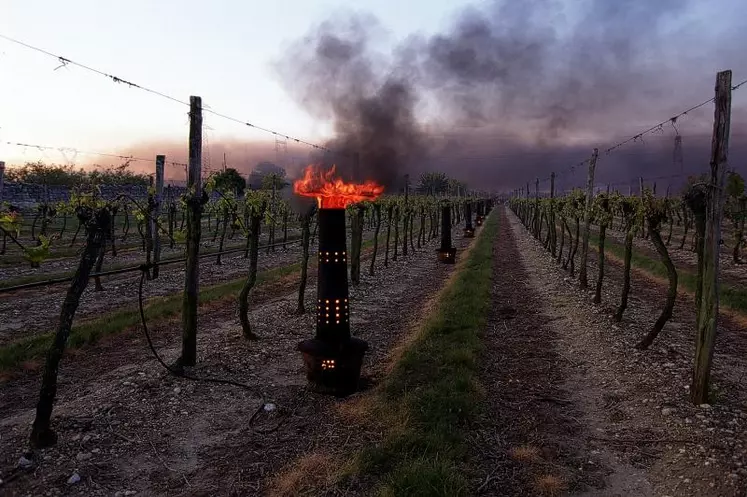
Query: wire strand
[
  {"x": 116, "y": 79},
  {"x": 88, "y": 152}
]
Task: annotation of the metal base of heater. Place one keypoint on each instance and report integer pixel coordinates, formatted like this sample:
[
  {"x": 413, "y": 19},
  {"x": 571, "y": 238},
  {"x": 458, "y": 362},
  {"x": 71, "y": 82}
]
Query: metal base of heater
[
  {"x": 447, "y": 256},
  {"x": 469, "y": 233},
  {"x": 333, "y": 369}
]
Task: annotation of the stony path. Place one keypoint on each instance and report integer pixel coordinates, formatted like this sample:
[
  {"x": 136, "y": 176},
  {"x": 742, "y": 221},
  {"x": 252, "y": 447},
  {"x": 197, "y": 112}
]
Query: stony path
[{"x": 571, "y": 407}]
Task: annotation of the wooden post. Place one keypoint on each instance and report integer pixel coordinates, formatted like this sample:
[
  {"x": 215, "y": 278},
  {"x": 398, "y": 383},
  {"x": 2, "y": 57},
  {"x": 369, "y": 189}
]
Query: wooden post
[
  {"x": 407, "y": 187},
  {"x": 194, "y": 209},
  {"x": 582, "y": 277},
  {"x": 2, "y": 176},
  {"x": 160, "y": 161},
  {"x": 640, "y": 193},
  {"x": 707, "y": 318},
  {"x": 553, "y": 232},
  {"x": 537, "y": 218}
]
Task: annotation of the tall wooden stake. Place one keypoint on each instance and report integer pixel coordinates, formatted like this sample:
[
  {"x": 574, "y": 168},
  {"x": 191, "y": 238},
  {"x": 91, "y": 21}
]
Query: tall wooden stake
[
  {"x": 582, "y": 276},
  {"x": 2, "y": 176},
  {"x": 553, "y": 232},
  {"x": 160, "y": 160},
  {"x": 194, "y": 210},
  {"x": 640, "y": 193},
  {"x": 707, "y": 316},
  {"x": 537, "y": 218}
]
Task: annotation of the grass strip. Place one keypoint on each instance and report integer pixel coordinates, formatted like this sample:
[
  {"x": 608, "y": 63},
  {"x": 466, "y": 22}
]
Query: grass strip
[
  {"x": 732, "y": 297},
  {"x": 432, "y": 393}
]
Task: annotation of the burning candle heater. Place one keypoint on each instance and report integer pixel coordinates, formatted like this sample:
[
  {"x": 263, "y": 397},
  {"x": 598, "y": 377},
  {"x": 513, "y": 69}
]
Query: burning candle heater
[
  {"x": 446, "y": 253},
  {"x": 480, "y": 213},
  {"x": 333, "y": 357},
  {"x": 469, "y": 231}
]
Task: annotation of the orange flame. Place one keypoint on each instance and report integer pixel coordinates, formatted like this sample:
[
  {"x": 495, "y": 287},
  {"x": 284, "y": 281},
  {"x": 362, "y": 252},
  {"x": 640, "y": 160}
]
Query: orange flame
[{"x": 334, "y": 193}]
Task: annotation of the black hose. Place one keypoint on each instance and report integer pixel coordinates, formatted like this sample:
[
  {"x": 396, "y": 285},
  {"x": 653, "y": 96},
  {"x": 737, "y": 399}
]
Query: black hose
[{"x": 181, "y": 374}]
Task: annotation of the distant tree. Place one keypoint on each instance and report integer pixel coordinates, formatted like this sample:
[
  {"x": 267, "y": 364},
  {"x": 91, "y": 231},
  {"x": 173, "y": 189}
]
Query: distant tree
[
  {"x": 261, "y": 170},
  {"x": 66, "y": 175},
  {"x": 433, "y": 183},
  {"x": 230, "y": 181},
  {"x": 275, "y": 179}
]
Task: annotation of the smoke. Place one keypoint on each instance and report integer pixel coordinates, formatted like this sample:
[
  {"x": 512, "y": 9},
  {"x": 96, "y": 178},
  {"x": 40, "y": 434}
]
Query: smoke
[
  {"x": 336, "y": 75},
  {"x": 240, "y": 155},
  {"x": 513, "y": 89}
]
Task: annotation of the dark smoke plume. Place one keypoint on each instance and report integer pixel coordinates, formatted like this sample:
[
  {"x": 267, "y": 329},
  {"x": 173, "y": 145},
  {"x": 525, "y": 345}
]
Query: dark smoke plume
[
  {"x": 373, "y": 106},
  {"x": 516, "y": 89}
]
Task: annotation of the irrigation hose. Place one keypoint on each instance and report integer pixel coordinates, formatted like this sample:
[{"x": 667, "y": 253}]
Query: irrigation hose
[{"x": 181, "y": 374}]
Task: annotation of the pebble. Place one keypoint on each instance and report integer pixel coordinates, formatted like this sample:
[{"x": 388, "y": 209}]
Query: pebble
[
  {"x": 269, "y": 407},
  {"x": 25, "y": 463},
  {"x": 705, "y": 406},
  {"x": 83, "y": 456},
  {"x": 667, "y": 411},
  {"x": 177, "y": 390},
  {"x": 74, "y": 478}
]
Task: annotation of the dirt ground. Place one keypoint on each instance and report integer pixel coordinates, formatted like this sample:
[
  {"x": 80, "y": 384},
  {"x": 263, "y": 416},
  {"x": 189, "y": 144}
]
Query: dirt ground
[
  {"x": 572, "y": 407},
  {"x": 127, "y": 427}
]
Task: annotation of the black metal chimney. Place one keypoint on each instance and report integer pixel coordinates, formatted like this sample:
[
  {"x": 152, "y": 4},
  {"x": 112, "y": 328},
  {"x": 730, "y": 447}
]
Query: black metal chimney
[
  {"x": 446, "y": 253},
  {"x": 333, "y": 358},
  {"x": 469, "y": 230}
]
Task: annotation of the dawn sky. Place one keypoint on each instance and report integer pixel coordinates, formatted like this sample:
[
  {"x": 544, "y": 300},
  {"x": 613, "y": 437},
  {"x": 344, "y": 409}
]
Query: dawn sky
[
  {"x": 221, "y": 50},
  {"x": 603, "y": 78}
]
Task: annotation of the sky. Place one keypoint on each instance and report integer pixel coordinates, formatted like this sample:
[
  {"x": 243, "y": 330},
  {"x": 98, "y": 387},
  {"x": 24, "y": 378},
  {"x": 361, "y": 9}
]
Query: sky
[
  {"x": 222, "y": 50},
  {"x": 604, "y": 70}
]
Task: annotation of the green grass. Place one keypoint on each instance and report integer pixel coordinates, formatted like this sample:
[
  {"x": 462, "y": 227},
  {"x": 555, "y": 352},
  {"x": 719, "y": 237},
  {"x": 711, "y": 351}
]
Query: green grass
[
  {"x": 732, "y": 297},
  {"x": 432, "y": 393}
]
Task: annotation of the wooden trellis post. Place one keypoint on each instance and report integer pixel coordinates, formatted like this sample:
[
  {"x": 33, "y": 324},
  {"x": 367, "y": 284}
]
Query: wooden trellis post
[
  {"x": 537, "y": 218},
  {"x": 160, "y": 160},
  {"x": 582, "y": 276},
  {"x": 194, "y": 210},
  {"x": 553, "y": 231},
  {"x": 707, "y": 312},
  {"x": 2, "y": 175}
]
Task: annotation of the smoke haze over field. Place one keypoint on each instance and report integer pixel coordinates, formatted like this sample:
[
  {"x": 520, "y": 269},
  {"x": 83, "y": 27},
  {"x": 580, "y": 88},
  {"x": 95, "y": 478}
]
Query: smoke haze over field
[
  {"x": 240, "y": 155},
  {"x": 516, "y": 89}
]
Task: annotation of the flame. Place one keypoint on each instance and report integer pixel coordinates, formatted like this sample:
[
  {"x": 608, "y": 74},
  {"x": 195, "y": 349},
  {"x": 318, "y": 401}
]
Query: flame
[{"x": 331, "y": 192}]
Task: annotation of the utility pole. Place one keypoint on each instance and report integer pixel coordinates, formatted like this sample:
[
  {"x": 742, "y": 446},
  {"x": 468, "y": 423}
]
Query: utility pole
[
  {"x": 582, "y": 277},
  {"x": 707, "y": 312},
  {"x": 194, "y": 212}
]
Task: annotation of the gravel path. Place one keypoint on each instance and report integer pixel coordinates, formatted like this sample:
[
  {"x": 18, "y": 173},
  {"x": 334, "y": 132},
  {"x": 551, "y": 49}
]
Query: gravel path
[{"x": 604, "y": 419}]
